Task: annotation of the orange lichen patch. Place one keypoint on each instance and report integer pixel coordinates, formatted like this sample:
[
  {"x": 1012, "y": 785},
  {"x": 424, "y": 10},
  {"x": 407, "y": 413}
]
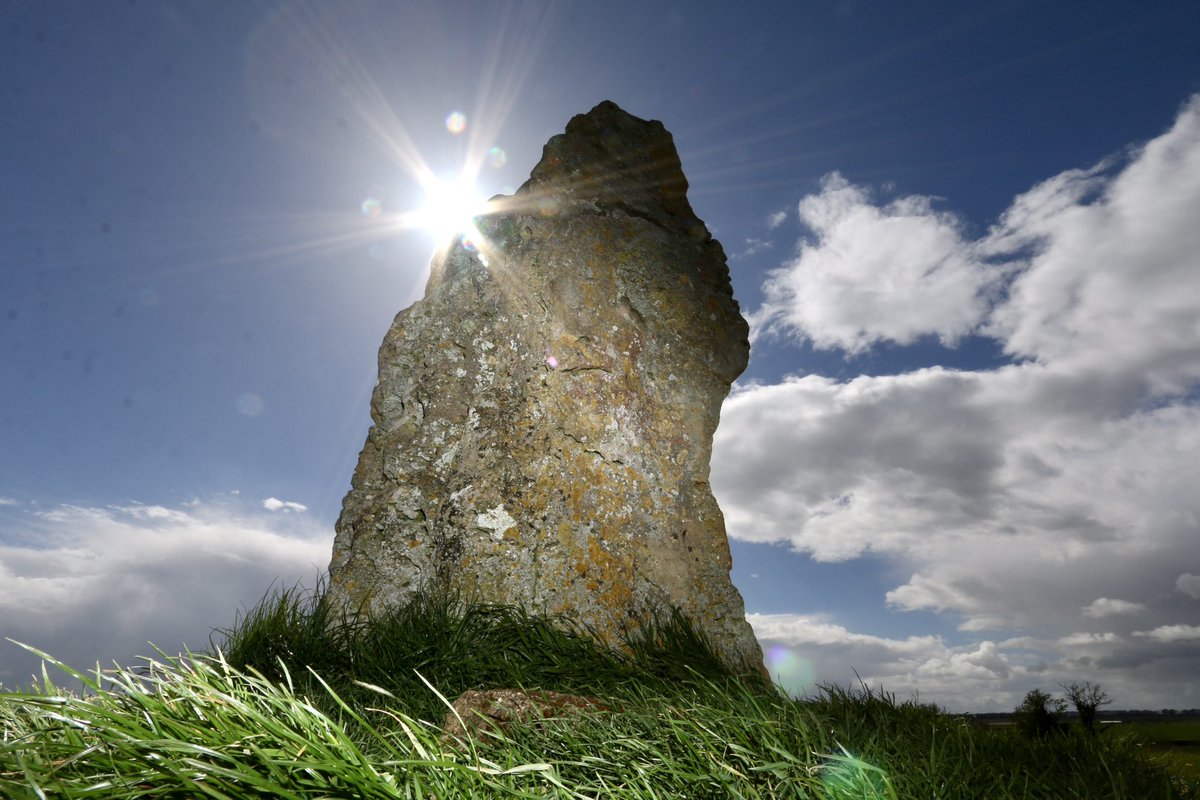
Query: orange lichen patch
[{"x": 616, "y": 573}]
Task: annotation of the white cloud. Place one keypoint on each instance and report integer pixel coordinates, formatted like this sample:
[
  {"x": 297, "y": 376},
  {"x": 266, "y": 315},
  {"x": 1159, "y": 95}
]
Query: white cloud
[
  {"x": 1189, "y": 584},
  {"x": 7, "y": 501},
  {"x": 97, "y": 584},
  {"x": 875, "y": 273},
  {"x": 754, "y": 246},
  {"x": 1006, "y": 510},
  {"x": 804, "y": 651},
  {"x": 1113, "y": 266},
  {"x": 1107, "y": 607},
  {"x": 1172, "y": 633},
  {"x": 776, "y": 219},
  {"x": 1085, "y": 639},
  {"x": 803, "y": 629},
  {"x": 1009, "y": 495},
  {"x": 275, "y": 504},
  {"x": 809, "y": 459}
]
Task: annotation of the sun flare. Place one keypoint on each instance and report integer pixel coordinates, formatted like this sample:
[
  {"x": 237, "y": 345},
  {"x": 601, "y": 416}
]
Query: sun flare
[{"x": 450, "y": 208}]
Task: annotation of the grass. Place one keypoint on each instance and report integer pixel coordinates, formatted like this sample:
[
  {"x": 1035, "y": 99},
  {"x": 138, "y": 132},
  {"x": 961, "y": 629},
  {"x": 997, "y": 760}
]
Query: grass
[
  {"x": 1177, "y": 743},
  {"x": 294, "y": 704}
]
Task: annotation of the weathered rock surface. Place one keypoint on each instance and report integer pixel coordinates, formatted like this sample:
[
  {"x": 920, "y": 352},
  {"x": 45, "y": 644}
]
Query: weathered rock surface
[{"x": 543, "y": 419}]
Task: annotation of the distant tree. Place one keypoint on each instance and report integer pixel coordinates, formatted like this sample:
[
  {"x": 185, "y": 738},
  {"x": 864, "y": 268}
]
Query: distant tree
[
  {"x": 1087, "y": 697},
  {"x": 1039, "y": 713}
]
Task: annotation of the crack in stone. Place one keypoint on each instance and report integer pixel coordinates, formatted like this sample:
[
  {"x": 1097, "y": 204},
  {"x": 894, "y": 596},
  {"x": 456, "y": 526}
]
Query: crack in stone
[{"x": 632, "y": 211}]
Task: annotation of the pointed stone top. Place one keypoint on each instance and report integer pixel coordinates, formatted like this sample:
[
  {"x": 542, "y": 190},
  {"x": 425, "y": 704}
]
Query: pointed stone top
[{"x": 609, "y": 159}]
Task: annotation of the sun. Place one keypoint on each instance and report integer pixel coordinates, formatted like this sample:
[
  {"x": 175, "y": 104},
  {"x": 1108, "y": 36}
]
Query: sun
[
  {"x": 446, "y": 211},
  {"x": 450, "y": 208}
]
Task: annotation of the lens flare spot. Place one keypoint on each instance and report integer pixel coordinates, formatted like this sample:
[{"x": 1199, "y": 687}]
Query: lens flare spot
[
  {"x": 456, "y": 122},
  {"x": 793, "y": 672},
  {"x": 372, "y": 207},
  {"x": 496, "y": 157}
]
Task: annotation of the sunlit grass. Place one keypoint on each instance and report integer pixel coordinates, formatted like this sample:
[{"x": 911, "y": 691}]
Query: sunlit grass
[{"x": 293, "y": 703}]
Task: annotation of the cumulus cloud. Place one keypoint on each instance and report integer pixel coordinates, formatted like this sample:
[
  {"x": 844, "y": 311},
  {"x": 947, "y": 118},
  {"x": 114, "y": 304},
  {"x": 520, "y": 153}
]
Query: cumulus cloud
[
  {"x": 1114, "y": 257},
  {"x": 275, "y": 504},
  {"x": 1172, "y": 633},
  {"x": 1189, "y": 584},
  {"x": 1007, "y": 495},
  {"x": 776, "y": 219},
  {"x": 1085, "y": 638},
  {"x": 971, "y": 479},
  {"x": 1107, "y": 607},
  {"x": 95, "y": 585},
  {"x": 806, "y": 650},
  {"x": 875, "y": 273}
]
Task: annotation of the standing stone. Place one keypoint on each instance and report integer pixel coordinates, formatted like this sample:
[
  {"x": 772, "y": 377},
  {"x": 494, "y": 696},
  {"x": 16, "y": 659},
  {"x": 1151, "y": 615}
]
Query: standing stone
[{"x": 544, "y": 417}]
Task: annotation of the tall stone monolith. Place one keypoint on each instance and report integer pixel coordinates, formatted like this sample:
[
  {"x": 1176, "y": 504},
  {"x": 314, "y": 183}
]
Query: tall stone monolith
[{"x": 544, "y": 417}]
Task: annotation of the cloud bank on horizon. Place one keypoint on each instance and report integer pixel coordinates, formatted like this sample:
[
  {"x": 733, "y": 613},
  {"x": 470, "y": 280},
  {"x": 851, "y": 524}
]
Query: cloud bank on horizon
[
  {"x": 1049, "y": 503},
  {"x": 95, "y": 585}
]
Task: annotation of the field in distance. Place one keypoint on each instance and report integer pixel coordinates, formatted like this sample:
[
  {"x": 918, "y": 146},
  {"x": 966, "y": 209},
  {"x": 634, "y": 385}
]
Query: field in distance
[{"x": 1177, "y": 740}]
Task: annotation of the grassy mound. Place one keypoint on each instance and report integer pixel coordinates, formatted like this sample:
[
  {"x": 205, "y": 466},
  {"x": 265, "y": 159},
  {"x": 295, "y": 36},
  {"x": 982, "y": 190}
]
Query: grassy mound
[
  {"x": 455, "y": 646},
  {"x": 289, "y": 705}
]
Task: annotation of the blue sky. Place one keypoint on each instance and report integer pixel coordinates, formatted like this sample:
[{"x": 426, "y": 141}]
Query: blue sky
[{"x": 960, "y": 463}]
